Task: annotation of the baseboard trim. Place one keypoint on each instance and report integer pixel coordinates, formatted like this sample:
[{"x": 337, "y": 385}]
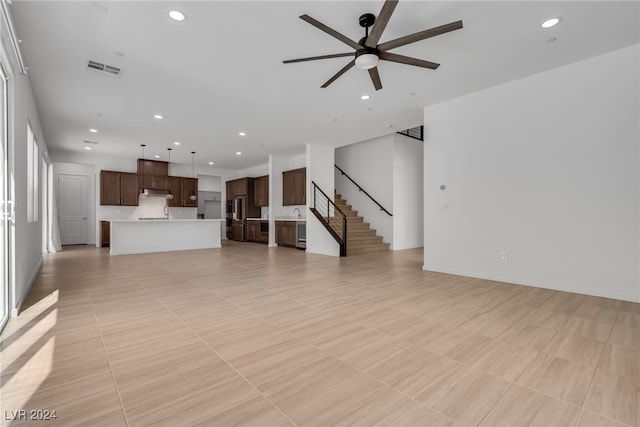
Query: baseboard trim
[
  {"x": 533, "y": 284},
  {"x": 16, "y": 310}
]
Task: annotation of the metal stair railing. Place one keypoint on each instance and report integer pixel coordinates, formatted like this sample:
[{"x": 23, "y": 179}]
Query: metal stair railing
[
  {"x": 331, "y": 216},
  {"x": 363, "y": 191}
]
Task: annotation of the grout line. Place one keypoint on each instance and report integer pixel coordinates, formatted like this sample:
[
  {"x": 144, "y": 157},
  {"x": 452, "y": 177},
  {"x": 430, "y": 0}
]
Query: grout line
[
  {"x": 218, "y": 354},
  {"x": 326, "y": 353},
  {"x": 595, "y": 371},
  {"x": 106, "y": 353}
]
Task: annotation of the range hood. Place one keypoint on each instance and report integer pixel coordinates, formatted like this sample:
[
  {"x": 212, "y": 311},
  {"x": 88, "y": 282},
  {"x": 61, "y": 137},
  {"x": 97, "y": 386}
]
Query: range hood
[{"x": 153, "y": 192}]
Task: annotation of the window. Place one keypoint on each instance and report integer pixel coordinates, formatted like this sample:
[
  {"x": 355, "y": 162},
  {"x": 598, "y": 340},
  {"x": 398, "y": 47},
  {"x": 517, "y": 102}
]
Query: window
[{"x": 32, "y": 176}]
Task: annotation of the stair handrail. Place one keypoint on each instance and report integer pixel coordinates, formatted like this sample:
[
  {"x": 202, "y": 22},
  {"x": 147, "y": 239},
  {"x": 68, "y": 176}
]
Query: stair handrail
[
  {"x": 363, "y": 191},
  {"x": 342, "y": 240}
]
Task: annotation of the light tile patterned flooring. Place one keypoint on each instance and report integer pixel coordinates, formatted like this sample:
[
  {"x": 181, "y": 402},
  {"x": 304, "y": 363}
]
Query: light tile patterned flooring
[{"x": 255, "y": 336}]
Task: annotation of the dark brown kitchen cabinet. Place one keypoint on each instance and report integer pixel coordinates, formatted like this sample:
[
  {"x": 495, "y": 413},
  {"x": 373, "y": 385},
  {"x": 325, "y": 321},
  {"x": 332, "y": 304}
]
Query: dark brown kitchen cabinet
[
  {"x": 261, "y": 191},
  {"x": 190, "y": 188},
  {"x": 294, "y": 187},
  {"x": 175, "y": 189},
  {"x": 152, "y": 167},
  {"x": 110, "y": 188},
  {"x": 105, "y": 234},
  {"x": 154, "y": 182},
  {"x": 258, "y": 231},
  {"x": 129, "y": 189},
  {"x": 118, "y": 188},
  {"x": 238, "y": 187},
  {"x": 253, "y": 231},
  {"x": 286, "y": 233}
]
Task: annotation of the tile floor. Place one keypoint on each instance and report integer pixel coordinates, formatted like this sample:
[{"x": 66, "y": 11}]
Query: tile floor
[{"x": 255, "y": 336}]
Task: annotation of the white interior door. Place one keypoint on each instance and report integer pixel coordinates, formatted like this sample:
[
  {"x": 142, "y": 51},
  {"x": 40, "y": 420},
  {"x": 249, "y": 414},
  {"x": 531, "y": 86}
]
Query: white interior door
[
  {"x": 6, "y": 210},
  {"x": 73, "y": 193}
]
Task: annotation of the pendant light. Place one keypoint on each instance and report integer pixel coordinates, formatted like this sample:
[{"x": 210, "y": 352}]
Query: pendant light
[
  {"x": 170, "y": 195},
  {"x": 143, "y": 194},
  {"x": 193, "y": 196}
]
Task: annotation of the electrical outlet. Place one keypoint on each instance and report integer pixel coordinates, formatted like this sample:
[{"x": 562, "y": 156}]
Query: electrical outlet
[{"x": 504, "y": 255}]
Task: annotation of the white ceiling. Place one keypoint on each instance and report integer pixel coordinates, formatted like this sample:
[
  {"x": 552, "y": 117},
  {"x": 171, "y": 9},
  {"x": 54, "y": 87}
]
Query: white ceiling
[{"x": 221, "y": 72}]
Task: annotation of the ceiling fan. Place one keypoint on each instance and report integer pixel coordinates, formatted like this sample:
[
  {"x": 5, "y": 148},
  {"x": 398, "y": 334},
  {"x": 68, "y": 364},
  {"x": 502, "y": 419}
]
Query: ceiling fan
[{"x": 368, "y": 52}]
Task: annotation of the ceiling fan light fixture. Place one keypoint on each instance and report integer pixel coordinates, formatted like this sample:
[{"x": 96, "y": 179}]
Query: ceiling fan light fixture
[{"x": 366, "y": 61}]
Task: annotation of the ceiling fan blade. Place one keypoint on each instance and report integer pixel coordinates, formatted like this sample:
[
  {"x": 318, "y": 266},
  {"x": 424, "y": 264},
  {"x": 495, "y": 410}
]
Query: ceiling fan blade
[
  {"x": 339, "y": 73},
  {"x": 381, "y": 23},
  {"x": 319, "y": 25},
  {"x": 313, "y": 58},
  {"x": 411, "y": 38},
  {"x": 375, "y": 78},
  {"x": 393, "y": 57}
]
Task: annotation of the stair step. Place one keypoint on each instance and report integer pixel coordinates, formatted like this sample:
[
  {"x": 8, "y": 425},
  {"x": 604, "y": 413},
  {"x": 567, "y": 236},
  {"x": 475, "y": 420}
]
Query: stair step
[
  {"x": 382, "y": 247},
  {"x": 359, "y": 241},
  {"x": 360, "y": 232}
]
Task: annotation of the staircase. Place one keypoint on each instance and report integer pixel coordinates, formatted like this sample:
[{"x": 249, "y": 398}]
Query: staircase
[{"x": 361, "y": 239}]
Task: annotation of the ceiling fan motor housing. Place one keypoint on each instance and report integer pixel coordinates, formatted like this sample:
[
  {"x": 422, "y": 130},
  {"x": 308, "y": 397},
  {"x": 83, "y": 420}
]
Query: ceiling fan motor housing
[{"x": 367, "y": 20}]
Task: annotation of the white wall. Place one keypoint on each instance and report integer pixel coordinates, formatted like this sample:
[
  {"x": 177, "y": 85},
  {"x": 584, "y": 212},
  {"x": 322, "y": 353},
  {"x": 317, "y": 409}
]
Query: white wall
[
  {"x": 26, "y": 238},
  {"x": 255, "y": 171},
  {"x": 370, "y": 164},
  {"x": 320, "y": 161},
  {"x": 210, "y": 183},
  {"x": 408, "y": 187},
  {"x": 545, "y": 168}
]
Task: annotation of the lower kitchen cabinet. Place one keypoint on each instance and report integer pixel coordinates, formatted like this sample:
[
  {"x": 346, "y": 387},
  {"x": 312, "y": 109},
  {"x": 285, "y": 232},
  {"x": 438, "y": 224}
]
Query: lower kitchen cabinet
[
  {"x": 258, "y": 231},
  {"x": 105, "y": 234},
  {"x": 286, "y": 233}
]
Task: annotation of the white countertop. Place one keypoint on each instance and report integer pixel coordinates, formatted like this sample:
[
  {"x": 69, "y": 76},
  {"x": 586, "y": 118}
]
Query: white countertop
[
  {"x": 257, "y": 219},
  {"x": 156, "y": 221}
]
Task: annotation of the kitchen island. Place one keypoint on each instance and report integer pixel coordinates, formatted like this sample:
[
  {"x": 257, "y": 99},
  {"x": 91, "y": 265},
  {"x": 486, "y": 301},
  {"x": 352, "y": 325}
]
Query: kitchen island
[{"x": 132, "y": 236}]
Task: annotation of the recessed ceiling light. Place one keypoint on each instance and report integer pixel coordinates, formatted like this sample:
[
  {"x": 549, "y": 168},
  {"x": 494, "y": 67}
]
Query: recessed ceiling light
[
  {"x": 157, "y": 116},
  {"x": 212, "y": 163},
  {"x": 156, "y": 156},
  {"x": 551, "y": 22},
  {"x": 176, "y": 15},
  {"x": 242, "y": 134},
  {"x": 176, "y": 143},
  {"x": 93, "y": 130},
  {"x": 87, "y": 148},
  {"x": 238, "y": 153},
  {"x": 365, "y": 97}
]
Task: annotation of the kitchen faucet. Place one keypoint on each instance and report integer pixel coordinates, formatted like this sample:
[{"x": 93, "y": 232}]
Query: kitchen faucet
[{"x": 296, "y": 209}]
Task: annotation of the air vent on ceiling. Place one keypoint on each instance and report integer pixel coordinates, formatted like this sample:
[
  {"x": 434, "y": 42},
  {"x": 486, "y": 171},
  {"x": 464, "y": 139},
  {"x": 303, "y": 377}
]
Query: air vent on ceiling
[
  {"x": 91, "y": 142},
  {"x": 109, "y": 70}
]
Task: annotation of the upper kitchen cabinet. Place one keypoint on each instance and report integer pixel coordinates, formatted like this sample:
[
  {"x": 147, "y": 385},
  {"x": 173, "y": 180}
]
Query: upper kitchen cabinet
[
  {"x": 190, "y": 188},
  {"x": 118, "y": 188},
  {"x": 153, "y": 167},
  {"x": 237, "y": 187},
  {"x": 294, "y": 187},
  {"x": 129, "y": 189},
  {"x": 175, "y": 189},
  {"x": 261, "y": 191},
  {"x": 110, "y": 188},
  {"x": 154, "y": 182}
]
